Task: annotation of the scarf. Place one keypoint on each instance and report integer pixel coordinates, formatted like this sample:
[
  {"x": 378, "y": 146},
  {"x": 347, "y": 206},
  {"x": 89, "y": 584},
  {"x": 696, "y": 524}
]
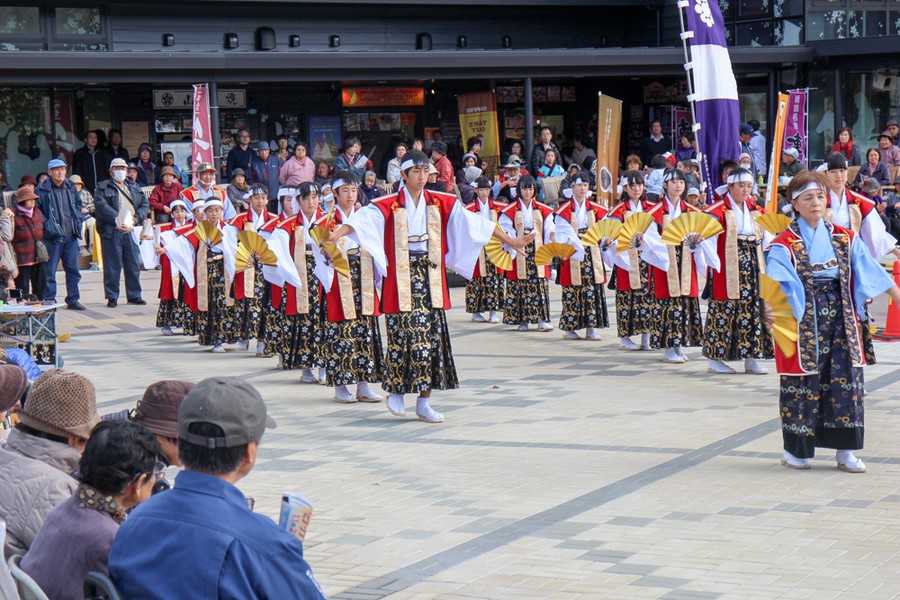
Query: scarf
[
  {"x": 846, "y": 150},
  {"x": 29, "y": 212},
  {"x": 88, "y": 497}
]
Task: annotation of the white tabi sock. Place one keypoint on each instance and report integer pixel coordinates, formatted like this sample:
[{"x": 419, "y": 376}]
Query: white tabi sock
[
  {"x": 426, "y": 413},
  {"x": 260, "y": 347},
  {"x": 362, "y": 389},
  {"x": 342, "y": 393},
  {"x": 793, "y": 460},
  {"x": 626, "y": 343},
  {"x": 645, "y": 339},
  {"x": 495, "y": 318},
  {"x": 478, "y": 317},
  {"x": 396, "y": 405}
]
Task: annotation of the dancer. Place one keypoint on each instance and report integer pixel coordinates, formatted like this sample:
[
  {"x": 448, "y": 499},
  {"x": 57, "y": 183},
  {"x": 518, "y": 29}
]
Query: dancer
[
  {"x": 172, "y": 311},
  {"x": 583, "y": 275},
  {"x": 527, "y": 297},
  {"x": 734, "y": 327},
  {"x": 414, "y": 236},
  {"x": 484, "y": 292},
  {"x": 827, "y": 274}
]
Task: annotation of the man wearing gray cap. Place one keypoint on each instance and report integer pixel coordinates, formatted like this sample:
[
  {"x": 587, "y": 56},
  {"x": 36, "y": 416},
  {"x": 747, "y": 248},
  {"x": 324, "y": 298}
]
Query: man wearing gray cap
[
  {"x": 200, "y": 540},
  {"x": 265, "y": 169}
]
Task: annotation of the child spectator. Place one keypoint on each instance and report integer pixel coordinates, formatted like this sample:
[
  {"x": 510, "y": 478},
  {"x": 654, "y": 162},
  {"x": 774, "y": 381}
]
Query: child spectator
[{"x": 163, "y": 195}]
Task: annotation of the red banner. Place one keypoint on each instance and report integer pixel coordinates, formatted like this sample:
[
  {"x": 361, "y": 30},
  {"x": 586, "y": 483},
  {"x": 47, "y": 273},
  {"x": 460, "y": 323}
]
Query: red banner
[
  {"x": 202, "y": 142},
  {"x": 362, "y": 97}
]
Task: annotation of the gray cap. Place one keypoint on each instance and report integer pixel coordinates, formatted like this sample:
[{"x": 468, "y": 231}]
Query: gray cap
[
  {"x": 693, "y": 191},
  {"x": 229, "y": 402},
  {"x": 263, "y": 146},
  {"x": 439, "y": 146}
]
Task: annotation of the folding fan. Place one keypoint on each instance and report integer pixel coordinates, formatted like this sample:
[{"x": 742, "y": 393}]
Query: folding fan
[
  {"x": 208, "y": 233},
  {"x": 332, "y": 253},
  {"x": 690, "y": 222},
  {"x": 606, "y": 228},
  {"x": 784, "y": 330},
  {"x": 252, "y": 246},
  {"x": 546, "y": 253},
  {"x": 636, "y": 223},
  {"x": 498, "y": 256},
  {"x": 774, "y": 223}
]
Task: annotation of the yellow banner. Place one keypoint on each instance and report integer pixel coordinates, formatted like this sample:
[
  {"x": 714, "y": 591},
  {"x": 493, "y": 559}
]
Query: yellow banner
[
  {"x": 478, "y": 117},
  {"x": 775, "y": 159},
  {"x": 609, "y": 130}
]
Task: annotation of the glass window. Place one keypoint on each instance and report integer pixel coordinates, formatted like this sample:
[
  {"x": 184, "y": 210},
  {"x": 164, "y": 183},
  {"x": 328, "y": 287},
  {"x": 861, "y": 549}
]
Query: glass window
[
  {"x": 754, "y": 8},
  {"x": 789, "y": 32},
  {"x": 726, "y": 7},
  {"x": 894, "y": 21},
  {"x": 788, "y": 8},
  {"x": 821, "y": 114},
  {"x": 78, "y": 21},
  {"x": 876, "y": 23},
  {"x": 754, "y": 34},
  {"x": 828, "y": 25},
  {"x": 21, "y": 20}
]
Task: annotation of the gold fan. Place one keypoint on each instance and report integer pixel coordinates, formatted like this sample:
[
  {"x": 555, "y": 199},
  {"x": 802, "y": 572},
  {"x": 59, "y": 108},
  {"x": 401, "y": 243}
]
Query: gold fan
[
  {"x": 498, "y": 256},
  {"x": 636, "y": 223},
  {"x": 208, "y": 233},
  {"x": 252, "y": 246},
  {"x": 546, "y": 253},
  {"x": 333, "y": 254},
  {"x": 784, "y": 330},
  {"x": 606, "y": 228},
  {"x": 690, "y": 222},
  {"x": 774, "y": 223}
]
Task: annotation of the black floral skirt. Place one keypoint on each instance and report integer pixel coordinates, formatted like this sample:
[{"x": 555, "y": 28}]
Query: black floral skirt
[
  {"x": 675, "y": 321},
  {"x": 217, "y": 324},
  {"x": 485, "y": 293},
  {"x": 734, "y": 328},
  {"x": 824, "y": 410},
  {"x": 302, "y": 337},
  {"x": 249, "y": 313},
  {"x": 171, "y": 313},
  {"x": 353, "y": 347},
  {"x": 584, "y": 305},
  {"x": 528, "y": 300},
  {"x": 633, "y": 307},
  {"x": 419, "y": 357}
]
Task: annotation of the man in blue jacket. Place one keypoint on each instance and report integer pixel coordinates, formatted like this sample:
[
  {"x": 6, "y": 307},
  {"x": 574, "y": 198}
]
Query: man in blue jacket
[
  {"x": 119, "y": 206},
  {"x": 200, "y": 539},
  {"x": 60, "y": 204}
]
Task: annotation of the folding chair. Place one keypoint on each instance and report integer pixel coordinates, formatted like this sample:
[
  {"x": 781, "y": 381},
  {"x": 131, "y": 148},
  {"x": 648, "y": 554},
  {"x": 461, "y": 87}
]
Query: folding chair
[
  {"x": 28, "y": 589},
  {"x": 98, "y": 586}
]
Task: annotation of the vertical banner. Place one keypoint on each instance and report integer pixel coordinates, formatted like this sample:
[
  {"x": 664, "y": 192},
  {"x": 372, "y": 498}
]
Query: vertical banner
[
  {"x": 478, "y": 117},
  {"x": 682, "y": 119},
  {"x": 609, "y": 130},
  {"x": 775, "y": 160},
  {"x": 795, "y": 130},
  {"x": 715, "y": 94},
  {"x": 201, "y": 138}
]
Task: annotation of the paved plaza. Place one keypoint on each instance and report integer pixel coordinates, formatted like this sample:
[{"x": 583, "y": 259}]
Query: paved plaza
[{"x": 565, "y": 470}]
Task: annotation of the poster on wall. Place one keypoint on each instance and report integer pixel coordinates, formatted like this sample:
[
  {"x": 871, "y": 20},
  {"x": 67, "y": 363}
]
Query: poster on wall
[
  {"x": 325, "y": 137},
  {"x": 181, "y": 151},
  {"x": 478, "y": 117}
]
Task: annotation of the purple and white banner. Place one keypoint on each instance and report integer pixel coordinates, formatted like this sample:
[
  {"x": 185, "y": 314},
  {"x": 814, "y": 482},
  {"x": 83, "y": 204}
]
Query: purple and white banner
[
  {"x": 715, "y": 90},
  {"x": 795, "y": 132}
]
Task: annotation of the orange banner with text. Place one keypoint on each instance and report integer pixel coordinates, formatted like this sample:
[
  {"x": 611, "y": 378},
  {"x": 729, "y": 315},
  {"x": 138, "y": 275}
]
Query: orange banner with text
[
  {"x": 367, "y": 97},
  {"x": 478, "y": 117}
]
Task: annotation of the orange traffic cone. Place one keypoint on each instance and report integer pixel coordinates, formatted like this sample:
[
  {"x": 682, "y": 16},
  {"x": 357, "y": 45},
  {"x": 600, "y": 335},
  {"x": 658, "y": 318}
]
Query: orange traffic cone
[{"x": 892, "y": 325}]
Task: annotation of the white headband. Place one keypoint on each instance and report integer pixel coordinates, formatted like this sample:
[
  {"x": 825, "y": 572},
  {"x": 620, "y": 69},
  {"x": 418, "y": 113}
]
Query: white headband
[
  {"x": 197, "y": 204},
  {"x": 739, "y": 178},
  {"x": 213, "y": 202},
  {"x": 812, "y": 185},
  {"x": 178, "y": 203},
  {"x": 822, "y": 168},
  {"x": 670, "y": 176},
  {"x": 338, "y": 183}
]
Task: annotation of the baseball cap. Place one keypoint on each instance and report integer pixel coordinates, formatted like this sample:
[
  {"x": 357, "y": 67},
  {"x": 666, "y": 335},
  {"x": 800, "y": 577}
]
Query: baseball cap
[
  {"x": 55, "y": 163},
  {"x": 746, "y": 129},
  {"x": 262, "y": 146},
  {"x": 693, "y": 191},
  {"x": 793, "y": 152},
  {"x": 228, "y": 402},
  {"x": 118, "y": 162}
]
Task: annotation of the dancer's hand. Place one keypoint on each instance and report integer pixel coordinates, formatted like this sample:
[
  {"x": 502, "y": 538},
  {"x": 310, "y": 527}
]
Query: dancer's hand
[{"x": 769, "y": 317}]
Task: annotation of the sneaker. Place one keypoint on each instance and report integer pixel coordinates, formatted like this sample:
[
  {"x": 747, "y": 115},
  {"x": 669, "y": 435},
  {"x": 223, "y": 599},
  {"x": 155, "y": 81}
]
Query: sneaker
[
  {"x": 83, "y": 252},
  {"x": 218, "y": 349},
  {"x": 166, "y": 330},
  {"x": 478, "y": 318}
]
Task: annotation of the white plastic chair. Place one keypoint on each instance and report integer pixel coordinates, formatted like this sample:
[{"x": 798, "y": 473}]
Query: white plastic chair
[{"x": 28, "y": 589}]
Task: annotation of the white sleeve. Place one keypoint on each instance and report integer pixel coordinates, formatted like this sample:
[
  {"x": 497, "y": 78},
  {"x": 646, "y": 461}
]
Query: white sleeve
[
  {"x": 324, "y": 269},
  {"x": 653, "y": 251},
  {"x": 229, "y": 249},
  {"x": 182, "y": 256},
  {"x": 467, "y": 233},
  {"x": 285, "y": 270},
  {"x": 874, "y": 235},
  {"x": 549, "y": 228},
  {"x": 710, "y": 250},
  {"x": 368, "y": 231},
  {"x": 566, "y": 235}
]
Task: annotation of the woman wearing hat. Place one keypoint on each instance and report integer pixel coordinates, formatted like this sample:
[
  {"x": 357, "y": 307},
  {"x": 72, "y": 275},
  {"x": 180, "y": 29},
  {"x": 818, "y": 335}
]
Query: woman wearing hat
[
  {"x": 208, "y": 270},
  {"x": 890, "y": 153},
  {"x": 148, "y": 173},
  {"x": 484, "y": 292},
  {"x": 827, "y": 275},
  {"x": 527, "y": 294},
  {"x": 582, "y": 275},
  {"x": 353, "y": 352},
  {"x": 295, "y": 326},
  {"x": 237, "y": 190},
  {"x": 172, "y": 311},
  {"x": 164, "y": 194},
  {"x": 633, "y": 301},
  {"x": 734, "y": 327},
  {"x": 29, "y": 231}
]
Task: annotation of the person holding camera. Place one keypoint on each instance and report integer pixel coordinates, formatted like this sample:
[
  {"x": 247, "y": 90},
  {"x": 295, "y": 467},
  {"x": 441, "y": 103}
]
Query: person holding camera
[{"x": 28, "y": 243}]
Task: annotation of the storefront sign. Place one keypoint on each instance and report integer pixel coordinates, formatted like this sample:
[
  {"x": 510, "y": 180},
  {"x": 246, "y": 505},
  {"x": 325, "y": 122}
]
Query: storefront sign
[
  {"x": 609, "y": 129},
  {"x": 201, "y": 138},
  {"x": 478, "y": 117},
  {"x": 363, "y": 97},
  {"x": 184, "y": 99}
]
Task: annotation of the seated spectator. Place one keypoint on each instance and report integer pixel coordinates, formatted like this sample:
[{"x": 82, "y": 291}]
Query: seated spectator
[
  {"x": 874, "y": 167},
  {"x": 87, "y": 209},
  {"x": 323, "y": 173},
  {"x": 169, "y": 161},
  {"x": 443, "y": 166},
  {"x": 580, "y": 152},
  {"x": 157, "y": 410},
  {"x": 29, "y": 230},
  {"x": 889, "y": 209},
  {"x": 844, "y": 145},
  {"x": 790, "y": 163},
  {"x": 393, "y": 167},
  {"x": 148, "y": 173},
  {"x": 163, "y": 194},
  {"x": 692, "y": 197},
  {"x": 434, "y": 184},
  {"x": 368, "y": 188},
  {"x": 132, "y": 174},
  {"x": 653, "y": 183},
  {"x": 28, "y": 181},
  {"x": 237, "y": 189},
  {"x": 514, "y": 147},
  {"x": 686, "y": 148},
  {"x": 42, "y": 452},
  {"x": 199, "y": 540},
  {"x": 13, "y": 384},
  {"x": 686, "y": 167},
  {"x": 632, "y": 163},
  {"x": 299, "y": 168},
  {"x": 505, "y": 189},
  {"x": 116, "y": 472},
  {"x": 890, "y": 154},
  {"x": 465, "y": 177},
  {"x": 352, "y": 159}
]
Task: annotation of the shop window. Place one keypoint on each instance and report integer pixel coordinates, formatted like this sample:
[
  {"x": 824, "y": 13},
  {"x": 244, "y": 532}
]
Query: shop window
[
  {"x": 894, "y": 21},
  {"x": 758, "y": 33},
  {"x": 77, "y": 21},
  {"x": 788, "y": 32},
  {"x": 726, "y": 7},
  {"x": 20, "y": 20},
  {"x": 870, "y": 23},
  {"x": 828, "y": 25}
]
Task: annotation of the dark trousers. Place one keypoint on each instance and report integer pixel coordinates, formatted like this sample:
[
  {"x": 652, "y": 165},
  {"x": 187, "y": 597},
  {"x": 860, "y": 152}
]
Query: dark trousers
[
  {"x": 120, "y": 251},
  {"x": 32, "y": 280},
  {"x": 66, "y": 249}
]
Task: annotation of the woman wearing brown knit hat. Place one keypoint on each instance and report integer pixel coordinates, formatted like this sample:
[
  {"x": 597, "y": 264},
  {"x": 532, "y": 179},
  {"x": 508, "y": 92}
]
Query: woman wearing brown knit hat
[
  {"x": 43, "y": 451},
  {"x": 158, "y": 411}
]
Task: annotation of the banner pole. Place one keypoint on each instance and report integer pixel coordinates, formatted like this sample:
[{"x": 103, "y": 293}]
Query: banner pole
[{"x": 695, "y": 126}]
